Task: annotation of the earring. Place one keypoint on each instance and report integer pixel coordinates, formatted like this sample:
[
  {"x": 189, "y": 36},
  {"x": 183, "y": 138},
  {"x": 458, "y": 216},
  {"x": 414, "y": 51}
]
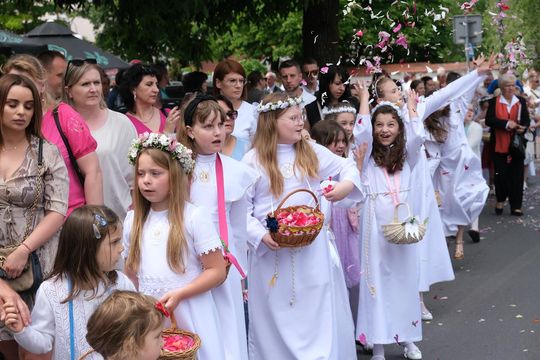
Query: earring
[{"x": 134, "y": 96}]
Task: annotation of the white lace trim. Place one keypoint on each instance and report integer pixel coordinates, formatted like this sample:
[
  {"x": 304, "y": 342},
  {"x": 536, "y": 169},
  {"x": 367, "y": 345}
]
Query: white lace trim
[
  {"x": 159, "y": 285},
  {"x": 208, "y": 250}
]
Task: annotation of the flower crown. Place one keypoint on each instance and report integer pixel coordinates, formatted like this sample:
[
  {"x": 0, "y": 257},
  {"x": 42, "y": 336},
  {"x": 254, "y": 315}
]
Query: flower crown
[
  {"x": 338, "y": 110},
  {"x": 272, "y": 106},
  {"x": 164, "y": 143},
  {"x": 386, "y": 103}
]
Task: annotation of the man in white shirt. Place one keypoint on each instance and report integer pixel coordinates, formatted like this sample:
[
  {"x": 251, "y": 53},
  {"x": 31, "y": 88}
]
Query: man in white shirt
[{"x": 291, "y": 77}]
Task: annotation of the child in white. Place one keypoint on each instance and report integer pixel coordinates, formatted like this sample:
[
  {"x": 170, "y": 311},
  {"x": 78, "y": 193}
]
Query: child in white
[
  {"x": 294, "y": 306},
  {"x": 174, "y": 252},
  {"x": 83, "y": 276},
  {"x": 203, "y": 132},
  {"x": 388, "y": 309}
]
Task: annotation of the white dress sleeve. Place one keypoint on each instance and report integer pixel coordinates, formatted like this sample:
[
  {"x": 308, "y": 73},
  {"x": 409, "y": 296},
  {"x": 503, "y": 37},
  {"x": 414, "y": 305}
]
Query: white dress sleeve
[
  {"x": 255, "y": 229},
  {"x": 363, "y": 133},
  {"x": 443, "y": 97},
  {"x": 415, "y": 136},
  {"x": 38, "y": 337},
  {"x": 336, "y": 166},
  {"x": 205, "y": 237}
]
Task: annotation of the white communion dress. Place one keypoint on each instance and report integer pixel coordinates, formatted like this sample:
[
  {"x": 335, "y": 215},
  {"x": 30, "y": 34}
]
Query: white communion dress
[
  {"x": 237, "y": 179},
  {"x": 296, "y": 302},
  {"x": 388, "y": 306},
  {"x": 199, "y": 313}
]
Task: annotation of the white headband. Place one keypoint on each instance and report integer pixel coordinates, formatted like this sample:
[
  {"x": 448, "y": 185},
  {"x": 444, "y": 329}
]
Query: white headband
[{"x": 386, "y": 103}]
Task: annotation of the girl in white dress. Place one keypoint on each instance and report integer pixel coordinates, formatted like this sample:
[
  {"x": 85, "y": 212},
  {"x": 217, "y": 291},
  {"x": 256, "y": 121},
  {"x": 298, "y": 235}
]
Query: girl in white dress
[
  {"x": 83, "y": 276},
  {"x": 297, "y": 305},
  {"x": 456, "y": 170},
  {"x": 388, "y": 308},
  {"x": 202, "y": 130},
  {"x": 173, "y": 251}
]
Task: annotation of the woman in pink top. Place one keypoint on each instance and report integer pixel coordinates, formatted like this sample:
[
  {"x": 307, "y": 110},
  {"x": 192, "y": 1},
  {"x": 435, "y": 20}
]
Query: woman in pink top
[
  {"x": 140, "y": 92},
  {"x": 74, "y": 128}
]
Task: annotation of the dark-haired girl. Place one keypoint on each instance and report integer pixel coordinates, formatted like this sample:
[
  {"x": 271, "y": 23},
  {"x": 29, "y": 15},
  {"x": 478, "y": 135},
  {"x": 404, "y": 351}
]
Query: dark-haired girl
[
  {"x": 388, "y": 299},
  {"x": 82, "y": 277}
]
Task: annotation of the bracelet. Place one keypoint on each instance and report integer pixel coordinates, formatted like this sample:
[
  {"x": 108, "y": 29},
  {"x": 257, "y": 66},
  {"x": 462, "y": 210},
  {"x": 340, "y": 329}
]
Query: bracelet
[{"x": 26, "y": 246}]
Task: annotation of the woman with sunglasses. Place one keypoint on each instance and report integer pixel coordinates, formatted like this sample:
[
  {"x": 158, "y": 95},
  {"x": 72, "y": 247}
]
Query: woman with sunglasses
[
  {"x": 140, "y": 92},
  {"x": 229, "y": 80},
  {"x": 234, "y": 147},
  {"x": 85, "y": 180},
  {"x": 333, "y": 88},
  {"x": 112, "y": 130}
]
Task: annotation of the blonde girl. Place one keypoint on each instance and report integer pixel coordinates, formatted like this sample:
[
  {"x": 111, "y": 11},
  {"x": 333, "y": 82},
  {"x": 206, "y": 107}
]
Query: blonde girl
[
  {"x": 127, "y": 326},
  {"x": 83, "y": 276},
  {"x": 173, "y": 252},
  {"x": 215, "y": 175},
  {"x": 296, "y": 303}
]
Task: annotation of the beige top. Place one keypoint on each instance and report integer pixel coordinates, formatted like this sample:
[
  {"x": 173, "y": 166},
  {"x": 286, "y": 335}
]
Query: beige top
[{"x": 17, "y": 195}]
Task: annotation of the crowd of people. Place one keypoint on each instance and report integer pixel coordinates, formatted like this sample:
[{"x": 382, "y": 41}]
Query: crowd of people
[{"x": 122, "y": 208}]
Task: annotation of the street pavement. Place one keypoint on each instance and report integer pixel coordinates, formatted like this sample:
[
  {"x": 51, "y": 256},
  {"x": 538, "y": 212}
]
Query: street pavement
[{"x": 491, "y": 311}]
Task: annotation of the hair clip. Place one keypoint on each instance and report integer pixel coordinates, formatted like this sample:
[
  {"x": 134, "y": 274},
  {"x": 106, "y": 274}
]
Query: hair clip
[
  {"x": 98, "y": 220},
  {"x": 161, "y": 308}
]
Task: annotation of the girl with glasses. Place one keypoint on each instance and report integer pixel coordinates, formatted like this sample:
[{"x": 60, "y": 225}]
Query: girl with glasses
[{"x": 233, "y": 146}]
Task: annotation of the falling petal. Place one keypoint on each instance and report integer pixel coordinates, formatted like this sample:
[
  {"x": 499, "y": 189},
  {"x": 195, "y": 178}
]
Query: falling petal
[
  {"x": 362, "y": 339},
  {"x": 397, "y": 28},
  {"x": 324, "y": 69}
]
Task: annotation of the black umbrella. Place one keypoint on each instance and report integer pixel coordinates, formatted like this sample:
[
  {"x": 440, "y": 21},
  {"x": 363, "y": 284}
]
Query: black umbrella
[
  {"x": 11, "y": 43},
  {"x": 59, "y": 38}
]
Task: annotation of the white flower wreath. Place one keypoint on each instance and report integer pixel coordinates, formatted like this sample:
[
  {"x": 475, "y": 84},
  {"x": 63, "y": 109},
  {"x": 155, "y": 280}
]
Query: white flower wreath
[
  {"x": 164, "y": 143},
  {"x": 272, "y": 106}
]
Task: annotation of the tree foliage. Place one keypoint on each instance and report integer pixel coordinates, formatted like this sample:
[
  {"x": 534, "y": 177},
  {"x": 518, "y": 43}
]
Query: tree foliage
[{"x": 196, "y": 30}]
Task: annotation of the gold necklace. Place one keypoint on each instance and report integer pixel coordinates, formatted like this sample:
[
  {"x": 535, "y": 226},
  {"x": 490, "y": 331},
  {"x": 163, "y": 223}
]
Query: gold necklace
[{"x": 146, "y": 121}]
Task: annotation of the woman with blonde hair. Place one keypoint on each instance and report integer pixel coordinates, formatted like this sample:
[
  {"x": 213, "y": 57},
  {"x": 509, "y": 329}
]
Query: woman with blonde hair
[
  {"x": 65, "y": 128},
  {"x": 112, "y": 131}
]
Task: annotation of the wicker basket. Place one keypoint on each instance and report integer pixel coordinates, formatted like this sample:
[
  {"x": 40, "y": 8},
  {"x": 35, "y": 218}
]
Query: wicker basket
[
  {"x": 297, "y": 236},
  {"x": 190, "y": 354},
  {"x": 396, "y": 233}
]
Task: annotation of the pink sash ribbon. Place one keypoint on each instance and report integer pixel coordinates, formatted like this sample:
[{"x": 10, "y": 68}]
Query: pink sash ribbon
[{"x": 223, "y": 232}]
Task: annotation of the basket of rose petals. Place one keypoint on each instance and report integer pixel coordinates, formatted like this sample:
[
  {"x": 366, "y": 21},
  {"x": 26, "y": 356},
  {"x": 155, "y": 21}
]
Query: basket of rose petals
[
  {"x": 295, "y": 226},
  {"x": 179, "y": 344}
]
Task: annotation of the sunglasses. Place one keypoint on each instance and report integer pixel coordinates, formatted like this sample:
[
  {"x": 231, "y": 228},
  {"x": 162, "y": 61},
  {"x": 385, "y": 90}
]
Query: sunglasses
[
  {"x": 311, "y": 73},
  {"x": 232, "y": 114},
  {"x": 80, "y": 62},
  {"x": 77, "y": 63}
]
